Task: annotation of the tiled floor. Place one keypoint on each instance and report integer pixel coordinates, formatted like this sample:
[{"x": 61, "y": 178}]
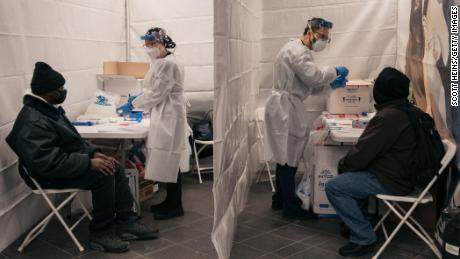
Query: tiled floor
[{"x": 261, "y": 233}]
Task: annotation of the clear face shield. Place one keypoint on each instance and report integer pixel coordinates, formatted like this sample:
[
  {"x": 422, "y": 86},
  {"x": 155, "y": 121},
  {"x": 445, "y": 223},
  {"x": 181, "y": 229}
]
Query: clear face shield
[{"x": 320, "y": 40}]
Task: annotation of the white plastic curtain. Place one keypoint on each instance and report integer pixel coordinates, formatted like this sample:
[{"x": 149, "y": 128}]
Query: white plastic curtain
[{"x": 236, "y": 60}]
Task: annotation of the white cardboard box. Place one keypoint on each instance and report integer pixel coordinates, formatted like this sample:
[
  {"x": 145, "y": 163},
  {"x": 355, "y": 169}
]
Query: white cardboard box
[
  {"x": 326, "y": 159},
  {"x": 352, "y": 99}
]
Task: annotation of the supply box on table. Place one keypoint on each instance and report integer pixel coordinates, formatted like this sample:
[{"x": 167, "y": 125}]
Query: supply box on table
[
  {"x": 325, "y": 168},
  {"x": 355, "y": 98},
  {"x": 122, "y": 78}
]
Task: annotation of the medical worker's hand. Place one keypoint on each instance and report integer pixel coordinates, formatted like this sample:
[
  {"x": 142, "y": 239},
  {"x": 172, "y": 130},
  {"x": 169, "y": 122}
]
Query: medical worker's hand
[
  {"x": 339, "y": 82},
  {"x": 342, "y": 71},
  {"x": 125, "y": 109},
  {"x": 103, "y": 166}
]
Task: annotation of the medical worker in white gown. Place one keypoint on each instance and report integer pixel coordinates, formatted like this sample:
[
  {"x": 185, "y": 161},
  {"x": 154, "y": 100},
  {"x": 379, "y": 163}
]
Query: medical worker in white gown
[
  {"x": 296, "y": 76},
  {"x": 167, "y": 141}
]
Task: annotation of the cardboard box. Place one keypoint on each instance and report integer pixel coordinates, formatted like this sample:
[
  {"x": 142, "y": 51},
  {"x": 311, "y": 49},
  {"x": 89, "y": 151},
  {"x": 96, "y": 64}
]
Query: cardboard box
[
  {"x": 326, "y": 159},
  {"x": 146, "y": 190},
  {"x": 134, "y": 69},
  {"x": 352, "y": 99}
]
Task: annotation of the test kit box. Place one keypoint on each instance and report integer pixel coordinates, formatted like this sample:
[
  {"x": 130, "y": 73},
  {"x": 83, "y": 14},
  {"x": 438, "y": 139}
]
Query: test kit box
[
  {"x": 354, "y": 98},
  {"x": 134, "y": 69},
  {"x": 326, "y": 159},
  {"x": 122, "y": 78}
]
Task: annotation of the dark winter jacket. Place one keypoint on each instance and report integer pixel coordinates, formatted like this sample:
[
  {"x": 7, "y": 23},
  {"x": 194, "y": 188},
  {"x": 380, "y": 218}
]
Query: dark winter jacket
[
  {"x": 47, "y": 144},
  {"x": 385, "y": 144}
]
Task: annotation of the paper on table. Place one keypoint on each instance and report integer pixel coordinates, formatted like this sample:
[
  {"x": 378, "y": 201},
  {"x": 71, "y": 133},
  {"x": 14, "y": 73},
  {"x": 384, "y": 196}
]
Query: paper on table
[{"x": 87, "y": 129}]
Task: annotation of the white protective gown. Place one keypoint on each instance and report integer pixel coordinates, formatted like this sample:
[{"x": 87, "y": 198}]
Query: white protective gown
[
  {"x": 167, "y": 141},
  {"x": 295, "y": 78}
]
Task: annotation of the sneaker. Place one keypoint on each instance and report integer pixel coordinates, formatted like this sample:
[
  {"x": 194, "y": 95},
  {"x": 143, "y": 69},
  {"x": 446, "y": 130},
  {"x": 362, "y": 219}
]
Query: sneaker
[
  {"x": 135, "y": 230},
  {"x": 355, "y": 250},
  {"x": 108, "y": 242},
  {"x": 168, "y": 213}
]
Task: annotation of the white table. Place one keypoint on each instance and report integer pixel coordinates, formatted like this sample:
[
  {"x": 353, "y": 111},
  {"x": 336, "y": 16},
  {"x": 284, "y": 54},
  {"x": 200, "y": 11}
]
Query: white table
[{"x": 126, "y": 132}]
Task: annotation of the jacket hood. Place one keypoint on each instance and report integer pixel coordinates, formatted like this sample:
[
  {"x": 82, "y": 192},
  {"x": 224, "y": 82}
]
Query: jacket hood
[{"x": 390, "y": 85}]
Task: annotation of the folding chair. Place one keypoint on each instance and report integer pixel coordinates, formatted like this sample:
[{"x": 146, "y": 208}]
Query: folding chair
[
  {"x": 416, "y": 198},
  {"x": 196, "y": 153},
  {"x": 259, "y": 116},
  {"x": 40, "y": 227}
]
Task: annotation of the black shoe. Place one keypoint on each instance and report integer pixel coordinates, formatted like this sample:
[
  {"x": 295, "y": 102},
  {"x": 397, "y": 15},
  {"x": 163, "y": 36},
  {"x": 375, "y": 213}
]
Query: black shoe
[
  {"x": 355, "y": 250},
  {"x": 108, "y": 242},
  {"x": 160, "y": 206},
  {"x": 300, "y": 214},
  {"x": 344, "y": 230},
  {"x": 168, "y": 213},
  {"x": 135, "y": 230},
  {"x": 277, "y": 205}
]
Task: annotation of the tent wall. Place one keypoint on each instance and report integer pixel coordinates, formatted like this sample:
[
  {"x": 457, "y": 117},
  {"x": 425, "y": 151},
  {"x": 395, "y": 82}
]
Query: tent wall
[
  {"x": 363, "y": 36},
  {"x": 236, "y": 44},
  {"x": 74, "y": 37},
  {"x": 190, "y": 25}
]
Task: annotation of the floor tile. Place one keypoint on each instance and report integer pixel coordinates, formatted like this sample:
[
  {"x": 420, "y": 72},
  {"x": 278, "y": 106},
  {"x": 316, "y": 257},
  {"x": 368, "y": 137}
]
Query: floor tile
[
  {"x": 181, "y": 234},
  {"x": 245, "y": 232},
  {"x": 101, "y": 255},
  {"x": 241, "y": 251},
  {"x": 316, "y": 253},
  {"x": 36, "y": 249},
  {"x": 294, "y": 232},
  {"x": 265, "y": 224},
  {"x": 177, "y": 252},
  {"x": 267, "y": 242},
  {"x": 201, "y": 244},
  {"x": 291, "y": 249},
  {"x": 149, "y": 246}
]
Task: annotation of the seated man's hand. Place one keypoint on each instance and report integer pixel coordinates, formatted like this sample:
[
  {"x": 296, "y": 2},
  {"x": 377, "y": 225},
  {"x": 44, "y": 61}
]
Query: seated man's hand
[
  {"x": 109, "y": 158},
  {"x": 102, "y": 165}
]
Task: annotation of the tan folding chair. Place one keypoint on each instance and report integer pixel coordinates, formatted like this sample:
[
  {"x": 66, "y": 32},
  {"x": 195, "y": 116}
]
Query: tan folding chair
[
  {"x": 416, "y": 198},
  {"x": 40, "y": 227}
]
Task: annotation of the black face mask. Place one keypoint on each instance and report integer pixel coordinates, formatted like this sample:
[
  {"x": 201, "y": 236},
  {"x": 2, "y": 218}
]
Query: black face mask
[{"x": 58, "y": 96}]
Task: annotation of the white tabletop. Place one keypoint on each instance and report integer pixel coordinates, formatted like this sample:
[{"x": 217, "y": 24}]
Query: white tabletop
[{"x": 116, "y": 130}]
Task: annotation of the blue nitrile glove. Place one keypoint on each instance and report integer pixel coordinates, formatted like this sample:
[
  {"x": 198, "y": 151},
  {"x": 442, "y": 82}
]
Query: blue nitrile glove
[
  {"x": 342, "y": 71},
  {"x": 339, "y": 82},
  {"x": 125, "y": 109}
]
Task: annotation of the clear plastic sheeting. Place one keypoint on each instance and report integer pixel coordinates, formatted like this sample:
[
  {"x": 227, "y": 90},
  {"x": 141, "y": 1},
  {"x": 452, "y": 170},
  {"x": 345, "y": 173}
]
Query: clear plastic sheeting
[{"x": 236, "y": 60}]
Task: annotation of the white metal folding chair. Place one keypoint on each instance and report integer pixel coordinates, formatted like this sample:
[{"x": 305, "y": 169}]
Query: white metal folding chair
[
  {"x": 40, "y": 227},
  {"x": 196, "y": 153},
  {"x": 418, "y": 197}
]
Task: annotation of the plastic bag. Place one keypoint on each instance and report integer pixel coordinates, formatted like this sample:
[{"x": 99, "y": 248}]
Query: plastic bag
[
  {"x": 304, "y": 190},
  {"x": 202, "y": 130},
  {"x": 103, "y": 105}
]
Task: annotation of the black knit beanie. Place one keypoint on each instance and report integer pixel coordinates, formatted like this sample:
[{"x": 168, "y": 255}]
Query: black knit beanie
[
  {"x": 45, "y": 79},
  {"x": 390, "y": 85}
]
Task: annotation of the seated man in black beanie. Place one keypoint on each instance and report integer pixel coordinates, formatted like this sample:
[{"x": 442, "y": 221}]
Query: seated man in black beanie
[
  {"x": 53, "y": 152},
  {"x": 374, "y": 165}
]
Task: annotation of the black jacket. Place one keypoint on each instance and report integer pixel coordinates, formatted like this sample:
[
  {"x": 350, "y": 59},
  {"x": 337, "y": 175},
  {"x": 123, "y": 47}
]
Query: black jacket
[
  {"x": 385, "y": 144},
  {"x": 47, "y": 144}
]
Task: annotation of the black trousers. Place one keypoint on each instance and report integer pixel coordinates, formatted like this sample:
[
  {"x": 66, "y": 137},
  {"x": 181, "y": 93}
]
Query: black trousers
[
  {"x": 285, "y": 194},
  {"x": 111, "y": 196},
  {"x": 174, "y": 193}
]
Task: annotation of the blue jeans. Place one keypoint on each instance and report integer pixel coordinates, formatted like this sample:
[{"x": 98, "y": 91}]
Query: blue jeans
[{"x": 348, "y": 193}]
